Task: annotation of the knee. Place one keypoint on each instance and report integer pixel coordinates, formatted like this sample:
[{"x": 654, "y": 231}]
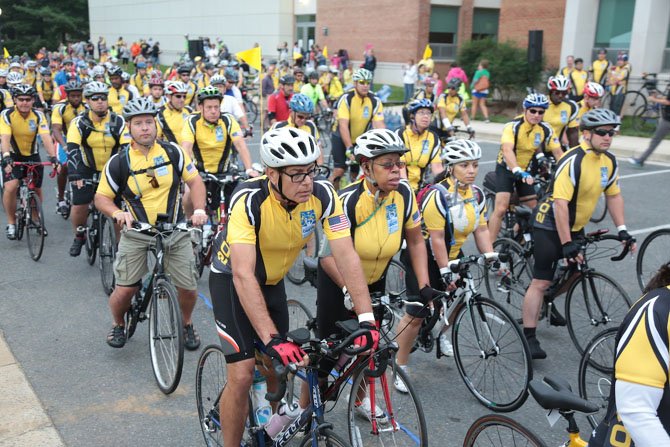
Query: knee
[{"x": 240, "y": 377}]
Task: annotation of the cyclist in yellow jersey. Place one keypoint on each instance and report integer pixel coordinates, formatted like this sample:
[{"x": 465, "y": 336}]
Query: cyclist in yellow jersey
[
  {"x": 335, "y": 89},
  {"x": 600, "y": 68},
  {"x": 618, "y": 83},
  {"x": 521, "y": 140},
  {"x": 30, "y": 75},
  {"x": 19, "y": 128},
  {"x": 358, "y": 111},
  {"x": 581, "y": 177},
  {"x": 45, "y": 87},
  {"x": 118, "y": 95},
  {"x": 184, "y": 72},
  {"x": 146, "y": 175},
  {"x": 593, "y": 92},
  {"x": 302, "y": 109},
  {"x": 92, "y": 138},
  {"x": 207, "y": 73},
  {"x": 450, "y": 104},
  {"x": 172, "y": 116},
  {"x": 562, "y": 114},
  {"x": 62, "y": 115},
  {"x": 5, "y": 96},
  {"x": 299, "y": 75},
  {"x": 427, "y": 92},
  {"x": 570, "y": 65},
  {"x": 578, "y": 79},
  {"x": 422, "y": 142},
  {"x": 157, "y": 91},
  {"x": 140, "y": 78},
  {"x": 271, "y": 219}
]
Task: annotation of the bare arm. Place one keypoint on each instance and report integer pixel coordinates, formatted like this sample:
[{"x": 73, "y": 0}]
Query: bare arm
[
  {"x": 349, "y": 265},
  {"x": 49, "y": 145},
  {"x": 509, "y": 156},
  {"x": 573, "y": 138},
  {"x": 436, "y": 168},
  {"x": 6, "y": 143},
  {"x": 242, "y": 149},
  {"x": 562, "y": 217},
  {"x": 615, "y": 207},
  {"x": 378, "y": 125},
  {"x": 57, "y": 132},
  {"x": 483, "y": 239},
  {"x": 198, "y": 192},
  {"x": 188, "y": 147}
]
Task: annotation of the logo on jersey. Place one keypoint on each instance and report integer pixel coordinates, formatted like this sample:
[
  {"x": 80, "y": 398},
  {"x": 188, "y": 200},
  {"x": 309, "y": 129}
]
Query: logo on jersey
[
  {"x": 538, "y": 139},
  {"x": 108, "y": 132},
  {"x": 122, "y": 99},
  {"x": 603, "y": 177},
  {"x": 219, "y": 134},
  {"x": 392, "y": 218},
  {"x": 307, "y": 222},
  {"x": 32, "y": 124},
  {"x": 424, "y": 147},
  {"x": 366, "y": 112},
  {"x": 163, "y": 170},
  {"x": 338, "y": 223},
  {"x": 564, "y": 116}
]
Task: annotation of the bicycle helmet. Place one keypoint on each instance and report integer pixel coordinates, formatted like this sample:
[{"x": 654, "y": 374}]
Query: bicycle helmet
[
  {"x": 209, "y": 92},
  {"x": 3, "y": 73},
  {"x": 184, "y": 69},
  {"x": 95, "y": 88},
  {"x": 45, "y": 71},
  {"x": 417, "y": 104},
  {"x": 313, "y": 75},
  {"x": 125, "y": 76},
  {"x": 376, "y": 142},
  {"x": 301, "y": 104},
  {"x": 31, "y": 64},
  {"x": 287, "y": 80},
  {"x": 141, "y": 65},
  {"x": 156, "y": 81},
  {"x": 362, "y": 74},
  {"x": 558, "y": 83},
  {"x": 15, "y": 65},
  {"x": 98, "y": 70},
  {"x": 594, "y": 90},
  {"x": 458, "y": 150},
  {"x": 23, "y": 90},
  {"x": 429, "y": 82},
  {"x": 176, "y": 87},
  {"x": 115, "y": 71},
  {"x": 288, "y": 146},
  {"x": 597, "y": 118},
  {"x": 217, "y": 79},
  {"x": 536, "y": 100},
  {"x": 139, "y": 106},
  {"x": 73, "y": 86},
  {"x": 14, "y": 78},
  {"x": 454, "y": 83},
  {"x": 231, "y": 75}
]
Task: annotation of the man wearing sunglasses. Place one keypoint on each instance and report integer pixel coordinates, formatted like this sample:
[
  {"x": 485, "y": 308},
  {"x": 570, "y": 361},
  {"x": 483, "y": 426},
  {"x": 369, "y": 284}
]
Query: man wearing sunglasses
[
  {"x": 184, "y": 72},
  {"x": 450, "y": 104},
  {"x": 271, "y": 219},
  {"x": 20, "y": 126},
  {"x": 146, "y": 175},
  {"x": 562, "y": 114},
  {"x": 93, "y": 137},
  {"x": 522, "y": 139},
  {"x": 301, "y": 110},
  {"x": 581, "y": 177},
  {"x": 119, "y": 95},
  {"x": 172, "y": 116}
]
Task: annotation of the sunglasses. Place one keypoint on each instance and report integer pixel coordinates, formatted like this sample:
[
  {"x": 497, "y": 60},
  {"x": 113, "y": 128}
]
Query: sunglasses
[
  {"x": 536, "y": 111},
  {"x": 98, "y": 98},
  {"x": 390, "y": 164},
  {"x": 363, "y": 82},
  {"x": 301, "y": 117},
  {"x": 559, "y": 93},
  {"x": 603, "y": 132},
  {"x": 25, "y": 99},
  {"x": 179, "y": 96},
  {"x": 152, "y": 175}
]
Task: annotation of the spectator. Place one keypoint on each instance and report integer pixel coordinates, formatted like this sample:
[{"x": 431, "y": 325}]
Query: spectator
[
  {"x": 267, "y": 85},
  {"x": 570, "y": 65},
  {"x": 618, "y": 82},
  {"x": 409, "y": 79},
  {"x": 421, "y": 75},
  {"x": 283, "y": 52},
  {"x": 135, "y": 49},
  {"x": 439, "y": 85},
  {"x": 155, "y": 52},
  {"x": 125, "y": 55},
  {"x": 662, "y": 130},
  {"x": 429, "y": 64},
  {"x": 457, "y": 72},
  {"x": 102, "y": 45},
  {"x": 480, "y": 89},
  {"x": 370, "y": 62}
]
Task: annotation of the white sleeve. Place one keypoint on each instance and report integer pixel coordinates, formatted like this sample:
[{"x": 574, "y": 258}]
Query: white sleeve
[
  {"x": 238, "y": 94},
  {"x": 637, "y": 406}
]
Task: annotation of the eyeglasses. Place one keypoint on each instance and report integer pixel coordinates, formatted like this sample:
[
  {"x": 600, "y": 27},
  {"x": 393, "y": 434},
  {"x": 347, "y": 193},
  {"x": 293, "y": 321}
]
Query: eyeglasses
[
  {"x": 559, "y": 93},
  {"x": 179, "y": 96},
  {"x": 152, "y": 175},
  {"x": 301, "y": 117},
  {"x": 452, "y": 88},
  {"x": 25, "y": 99},
  {"x": 603, "y": 132},
  {"x": 390, "y": 164},
  {"x": 98, "y": 98},
  {"x": 536, "y": 111},
  {"x": 363, "y": 82},
  {"x": 300, "y": 177}
]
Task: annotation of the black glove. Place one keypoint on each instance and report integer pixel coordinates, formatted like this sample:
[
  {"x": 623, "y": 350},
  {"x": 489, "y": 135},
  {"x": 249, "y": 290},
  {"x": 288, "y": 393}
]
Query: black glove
[
  {"x": 7, "y": 160},
  {"x": 53, "y": 160},
  {"x": 625, "y": 236},
  {"x": 73, "y": 176},
  {"x": 428, "y": 294},
  {"x": 571, "y": 249}
]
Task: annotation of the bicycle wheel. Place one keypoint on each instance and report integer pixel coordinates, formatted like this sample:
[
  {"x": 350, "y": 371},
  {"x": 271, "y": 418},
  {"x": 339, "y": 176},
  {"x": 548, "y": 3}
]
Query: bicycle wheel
[
  {"x": 509, "y": 290},
  {"x": 20, "y": 220},
  {"x": 600, "y": 212},
  {"x": 91, "y": 238},
  {"x": 67, "y": 198},
  {"x": 491, "y": 354},
  {"x": 210, "y": 379},
  {"x": 298, "y": 315},
  {"x": 593, "y": 303},
  {"x": 493, "y": 430},
  {"x": 107, "y": 253},
  {"x": 166, "y": 336},
  {"x": 632, "y": 101},
  {"x": 325, "y": 438},
  {"x": 35, "y": 227},
  {"x": 595, "y": 372},
  {"x": 252, "y": 111},
  {"x": 652, "y": 255},
  {"x": 395, "y": 279},
  {"x": 645, "y": 119},
  {"x": 403, "y": 423}
]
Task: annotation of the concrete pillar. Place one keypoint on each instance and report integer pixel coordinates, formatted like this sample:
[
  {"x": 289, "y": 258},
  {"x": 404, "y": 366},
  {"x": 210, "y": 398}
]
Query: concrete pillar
[
  {"x": 579, "y": 29},
  {"x": 649, "y": 35}
]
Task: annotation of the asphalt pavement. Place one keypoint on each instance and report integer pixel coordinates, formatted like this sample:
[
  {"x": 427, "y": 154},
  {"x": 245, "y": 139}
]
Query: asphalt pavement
[{"x": 55, "y": 318}]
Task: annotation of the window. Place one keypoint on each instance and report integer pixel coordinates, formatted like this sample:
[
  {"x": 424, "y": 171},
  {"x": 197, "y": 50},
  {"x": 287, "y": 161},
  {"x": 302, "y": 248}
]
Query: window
[
  {"x": 305, "y": 18},
  {"x": 615, "y": 23},
  {"x": 485, "y": 23},
  {"x": 443, "y": 24}
]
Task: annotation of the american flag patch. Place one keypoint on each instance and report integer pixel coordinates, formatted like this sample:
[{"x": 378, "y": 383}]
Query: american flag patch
[
  {"x": 190, "y": 167},
  {"x": 237, "y": 134},
  {"x": 416, "y": 217},
  {"x": 338, "y": 223}
]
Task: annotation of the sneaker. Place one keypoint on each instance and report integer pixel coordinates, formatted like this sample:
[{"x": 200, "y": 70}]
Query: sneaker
[
  {"x": 536, "y": 351},
  {"x": 191, "y": 338},
  {"x": 636, "y": 163},
  {"x": 363, "y": 410},
  {"x": 555, "y": 318},
  {"x": 10, "y": 231},
  {"x": 445, "y": 346},
  {"x": 399, "y": 383},
  {"x": 75, "y": 249},
  {"x": 117, "y": 336},
  {"x": 62, "y": 208}
]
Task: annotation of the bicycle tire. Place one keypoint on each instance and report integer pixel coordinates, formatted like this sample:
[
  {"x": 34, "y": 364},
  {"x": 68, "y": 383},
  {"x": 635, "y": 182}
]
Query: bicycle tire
[
  {"x": 509, "y": 290},
  {"x": 407, "y": 411},
  {"x": 632, "y": 101},
  {"x": 20, "y": 221},
  {"x": 252, "y": 111},
  {"x": 35, "y": 229},
  {"x": 600, "y": 211},
  {"x": 595, "y": 372},
  {"x": 298, "y": 315},
  {"x": 210, "y": 380},
  {"x": 165, "y": 323},
  {"x": 107, "y": 254},
  {"x": 396, "y": 276},
  {"x": 91, "y": 238},
  {"x": 199, "y": 253},
  {"x": 497, "y": 430},
  {"x": 650, "y": 260},
  {"x": 325, "y": 438},
  {"x": 645, "y": 119},
  {"x": 508, "y": 338},
  {"x": 67, "y": 198},
  {"x": 579, "y": 317}
]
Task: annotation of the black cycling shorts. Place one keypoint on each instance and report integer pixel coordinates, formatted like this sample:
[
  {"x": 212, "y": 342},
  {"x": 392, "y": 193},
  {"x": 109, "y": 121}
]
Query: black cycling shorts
[
  {"x": 338, "y": 151},
  {"x": 412, "y": 283},
  {"x": 19, "y": 172},
  {"x": 548, "y": 251},
  {"x": 235, "y": 331},
  {"x": 506, "y": 182},
  {"x": 85, "y": 194}
]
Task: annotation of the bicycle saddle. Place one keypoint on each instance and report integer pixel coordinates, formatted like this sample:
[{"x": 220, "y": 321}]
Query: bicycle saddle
[
  {"x": 522, "y": 211},
  {"x": 299, "y": 336},
  {"x": 555, "y": 396}
]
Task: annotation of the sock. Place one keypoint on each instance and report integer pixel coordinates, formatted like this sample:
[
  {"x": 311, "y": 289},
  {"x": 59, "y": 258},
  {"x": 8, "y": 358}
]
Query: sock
[{"x": 529, "y": 332}]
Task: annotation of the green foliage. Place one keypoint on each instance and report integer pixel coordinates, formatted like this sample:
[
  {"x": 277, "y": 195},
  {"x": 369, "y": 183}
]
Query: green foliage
[
  {"x": 28, "y": 25},
  {"x": 508, "y": 64}
]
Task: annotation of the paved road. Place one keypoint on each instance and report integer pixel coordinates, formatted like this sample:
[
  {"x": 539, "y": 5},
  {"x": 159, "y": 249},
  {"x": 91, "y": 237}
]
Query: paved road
[{"x": 55, "y": 318}]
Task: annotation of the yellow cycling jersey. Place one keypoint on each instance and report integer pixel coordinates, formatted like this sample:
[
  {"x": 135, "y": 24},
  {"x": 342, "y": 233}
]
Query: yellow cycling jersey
[
  {"x": 578, "y": 79},
  {"x": 118, "y": 98},
  {"x": 360, "y": 111},
  {"x": 5, "y": 99},
  {"x": 561, "y": 116},
  {"x": 619, "y": 79},
  {"x": 212, "y": 143},
  {"x": 29, "y": 77},
  {"x": 97, "y": 141},
  {"x": 424, "y": 149},
  {"x": 190, "y": 94},
  {"x": 308, "y": 127},
  {"x": 583, "y": 108},
  {"x": 581, "y": 176},
  {"x": 527, "y": 140},
  {"x": 171, "y": 122},
  {"x": 203, "y": 81},
  {"x": 23, "y": 131},
  {"x": 452, "y": 105},
  {"x": 599, "y": 69},
  {"x": 565, "y": 71},
  {"x": 46, "y": 88},
  {"x": 377, "y": 228},
  {"x": 335, "y": 89},
  {"x": 297, "y": 86},
  {"x": 63, "y": 113},
  {"x": 258, "y": 218},
  {"x": 458, "y": 214},
  {"x": 139, "y": 81}
]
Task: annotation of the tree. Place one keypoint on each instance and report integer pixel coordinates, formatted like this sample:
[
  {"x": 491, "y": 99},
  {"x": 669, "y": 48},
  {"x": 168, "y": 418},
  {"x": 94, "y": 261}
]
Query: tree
[{"x": 28, "y": 25}]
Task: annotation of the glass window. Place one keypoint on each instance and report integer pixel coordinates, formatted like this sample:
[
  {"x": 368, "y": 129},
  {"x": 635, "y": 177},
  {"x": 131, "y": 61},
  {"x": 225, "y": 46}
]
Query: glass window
[
  {"x": 305, "y": 18},
  {"x": 615, "y": 22},
  {"x": 485, "y": 23},
  {"x": 443, "y": 24}
]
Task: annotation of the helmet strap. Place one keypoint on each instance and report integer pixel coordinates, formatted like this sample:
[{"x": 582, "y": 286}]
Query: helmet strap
[
  {"x": 370, "y": 178},
  {"x": 290, "y": 204}
]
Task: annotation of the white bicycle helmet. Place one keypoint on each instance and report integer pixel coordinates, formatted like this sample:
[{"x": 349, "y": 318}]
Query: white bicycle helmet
[
  {"x": 217, "y": 79},
  {"x": 95, "y": 88},
  {"x": 3, "y": 73},
  {"x": 288, "y": 147},
  {"x": 172, "y": 87},
  {"x": 98, "y": 70},
  {"x": 459, "y": 150},
  {"x": 376, "y": 142},
  {"x": 559, "y": 83},
  {"x": 139, "y": 106},
  {"x": 594, "y": 90},
  {"x": 14, "y": 78},
  {"x": 362, "y": 74}
]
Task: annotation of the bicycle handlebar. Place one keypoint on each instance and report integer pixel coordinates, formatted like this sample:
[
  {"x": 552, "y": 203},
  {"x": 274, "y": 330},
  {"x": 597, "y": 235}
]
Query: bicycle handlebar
[
  {"x": 34, "y": 164},
  {"x": 223, "y": 179},
  {"x": 601, "y": 235}
]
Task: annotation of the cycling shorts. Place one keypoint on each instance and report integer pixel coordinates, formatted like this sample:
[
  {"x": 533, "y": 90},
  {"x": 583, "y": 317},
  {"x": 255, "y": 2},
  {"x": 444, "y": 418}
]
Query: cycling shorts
[
  {"x": 548, "y": 251},
  {"x": 19, "y": 172},
  {"x": 507, "y": 182},
  {"x": 235, "y": 331},
  {"x": 412, "y": 283},
  {"x": 338, "y": 151},
  {"x": 85, "y": 194}
]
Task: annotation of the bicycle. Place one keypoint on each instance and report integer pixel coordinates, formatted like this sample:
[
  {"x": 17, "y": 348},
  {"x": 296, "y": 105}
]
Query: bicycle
[
  {"x": 29, "y": 214},
  {"x": 157, "y": 300},
  {"x": 107, "y": 243},
  {"x": 553, "y": 394},
  {"x": 596, "y": 368},
  {"x": 92, "y": 229},
  {"x": 646, "y": 116},
  {"x": 250, "y": 104},
  {"x": 653, "y": 254}
]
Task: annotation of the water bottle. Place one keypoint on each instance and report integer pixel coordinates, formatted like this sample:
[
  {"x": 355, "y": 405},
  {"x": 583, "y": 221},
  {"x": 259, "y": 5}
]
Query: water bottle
[
  {"x": 206, "y": 233},
  {"x": 342, "y": 361},
  {"x": 261, "y": 405},
  {"x": 283, "y": 417}
]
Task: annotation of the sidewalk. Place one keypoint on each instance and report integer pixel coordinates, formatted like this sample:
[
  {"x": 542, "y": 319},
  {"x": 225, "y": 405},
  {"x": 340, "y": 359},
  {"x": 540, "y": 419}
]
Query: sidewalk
[{"x": 23, "y": 421}]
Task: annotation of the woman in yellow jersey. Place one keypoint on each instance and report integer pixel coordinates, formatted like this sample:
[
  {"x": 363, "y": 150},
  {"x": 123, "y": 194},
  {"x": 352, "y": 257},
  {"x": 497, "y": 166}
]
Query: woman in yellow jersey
[{"x": 452, "y": 210}]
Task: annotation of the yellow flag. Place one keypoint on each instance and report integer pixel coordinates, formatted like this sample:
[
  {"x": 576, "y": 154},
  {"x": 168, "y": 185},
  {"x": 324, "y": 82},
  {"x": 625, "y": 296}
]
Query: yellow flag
[
  {"x": 5, "y": 53},
  {"x": 325, "y": 51},
  {"x": 296, "y": 55},
  {"x": 428, "y": 52},
  {"x": 251, "y": 57}
]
